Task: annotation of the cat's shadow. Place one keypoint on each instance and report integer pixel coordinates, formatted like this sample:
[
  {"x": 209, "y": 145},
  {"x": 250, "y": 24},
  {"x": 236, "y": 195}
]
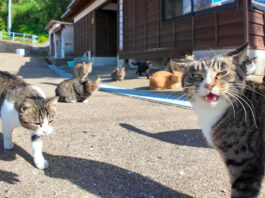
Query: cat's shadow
[
  {"x": 98, "y": 178},
  {"x": 188, "y": 137}
]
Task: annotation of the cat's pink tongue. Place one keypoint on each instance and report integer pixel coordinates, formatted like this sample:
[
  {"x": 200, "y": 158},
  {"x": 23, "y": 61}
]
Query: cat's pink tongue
[{"x": 211, "y": 97}]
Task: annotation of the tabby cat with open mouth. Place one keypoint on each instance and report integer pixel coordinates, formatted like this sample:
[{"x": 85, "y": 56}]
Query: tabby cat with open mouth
[{"x": 231, "y": 111}]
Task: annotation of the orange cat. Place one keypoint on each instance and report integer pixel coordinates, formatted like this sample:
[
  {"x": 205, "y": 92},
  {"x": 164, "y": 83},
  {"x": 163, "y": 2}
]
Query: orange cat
[{"x": 165, "y": 80}]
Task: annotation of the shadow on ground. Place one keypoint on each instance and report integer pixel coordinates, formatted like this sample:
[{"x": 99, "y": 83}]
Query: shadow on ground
[
  {"x": 8, "y": 177},
  {"x": 35, "y": 68},
  {"x": 191, "y": 137},
  {"x": 99, "y": 178}
]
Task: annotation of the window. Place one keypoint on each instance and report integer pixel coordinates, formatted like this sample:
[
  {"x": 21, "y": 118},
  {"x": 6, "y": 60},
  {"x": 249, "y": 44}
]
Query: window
[
  {"x": 205, "y": 4},
  {"x": 259, "y": 4},
  {"x": 176, "y": 8}
]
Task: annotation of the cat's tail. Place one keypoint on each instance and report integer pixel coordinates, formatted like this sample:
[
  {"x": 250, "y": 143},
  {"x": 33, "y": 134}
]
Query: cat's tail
[{"x": 60, "y": 94}]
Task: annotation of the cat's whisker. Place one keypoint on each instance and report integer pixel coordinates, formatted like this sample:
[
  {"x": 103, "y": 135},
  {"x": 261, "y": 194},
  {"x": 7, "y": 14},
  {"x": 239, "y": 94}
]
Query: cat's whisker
[
  {"x": 251, "y": 109},
  {"x": 231, "y": 104},
  {"x": 233, "y": 96},
  {"x": 248, "y": 87},
  {"x": 184, "y": 95}
]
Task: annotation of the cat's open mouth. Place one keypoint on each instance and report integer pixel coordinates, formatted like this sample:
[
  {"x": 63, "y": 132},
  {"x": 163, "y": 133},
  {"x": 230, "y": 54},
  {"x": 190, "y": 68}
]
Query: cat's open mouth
[{"x": 211, "y": 97}]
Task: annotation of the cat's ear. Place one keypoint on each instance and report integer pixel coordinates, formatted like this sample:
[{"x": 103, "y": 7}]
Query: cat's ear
[
  {"x": 97, "y": 81},
  {"x": 52, "y": 101},
  {"x": 179, "y": 66},
  {"x": 239, "y": 55},
  {"x": 122, "y": 69},
  {"x": 90, "y": 64},
  {"x": 28, "y": 104},
  {"x": 250, "y": 65}
]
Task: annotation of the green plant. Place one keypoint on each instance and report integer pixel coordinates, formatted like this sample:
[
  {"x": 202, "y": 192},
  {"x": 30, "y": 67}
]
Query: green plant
[{"x": 43, "y": 38}]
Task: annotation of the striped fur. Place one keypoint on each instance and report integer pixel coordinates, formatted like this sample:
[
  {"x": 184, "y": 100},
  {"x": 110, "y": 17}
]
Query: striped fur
[{"x": 231, "y": 111}]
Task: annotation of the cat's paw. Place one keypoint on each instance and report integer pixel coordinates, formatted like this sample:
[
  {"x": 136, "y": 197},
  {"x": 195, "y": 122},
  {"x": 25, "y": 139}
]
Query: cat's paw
[
  {"x": 85, "y": 101},
  {"x": 41, "y": 163},
  {"x": 8, "y": 145},
  {"x": 72, "y": 101}
]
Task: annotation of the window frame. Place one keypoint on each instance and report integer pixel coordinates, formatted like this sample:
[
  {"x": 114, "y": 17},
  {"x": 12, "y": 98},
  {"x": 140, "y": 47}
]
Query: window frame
[
  {"x": 174, "y": 18},
  {"x": 226, "y": 6}
]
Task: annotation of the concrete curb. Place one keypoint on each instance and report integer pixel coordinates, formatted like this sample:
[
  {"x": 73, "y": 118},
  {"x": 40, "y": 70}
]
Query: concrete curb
[{"x": 144, "y": 95}]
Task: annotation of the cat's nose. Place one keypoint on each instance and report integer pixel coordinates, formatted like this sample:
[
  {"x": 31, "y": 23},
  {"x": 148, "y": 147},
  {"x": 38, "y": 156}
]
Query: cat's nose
[{"x": 209, "y": 86}]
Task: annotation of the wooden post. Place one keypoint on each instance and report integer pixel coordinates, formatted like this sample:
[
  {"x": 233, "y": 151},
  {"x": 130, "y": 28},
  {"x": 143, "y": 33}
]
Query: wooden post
[{"x": 246, "y": 21}]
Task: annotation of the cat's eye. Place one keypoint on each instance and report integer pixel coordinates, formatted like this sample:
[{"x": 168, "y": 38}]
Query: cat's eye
[
  {"x": 37, "y": 123},
  {"x": 221, "y": 74},
  {"x": 198, "y": 76},
  {"x": 51, "y": 121}
]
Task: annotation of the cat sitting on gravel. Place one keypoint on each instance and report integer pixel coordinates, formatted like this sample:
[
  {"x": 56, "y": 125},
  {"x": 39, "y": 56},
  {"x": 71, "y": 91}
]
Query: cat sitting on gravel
[
  {"x": 143, "y": 67},
  {"x": 25, "y": 105},
  {"x": 81, "y": 70},
  {"x": 118, "y": 74},
  {"x": 161, "y": 80},
  {"x": 76, "y": 90}
]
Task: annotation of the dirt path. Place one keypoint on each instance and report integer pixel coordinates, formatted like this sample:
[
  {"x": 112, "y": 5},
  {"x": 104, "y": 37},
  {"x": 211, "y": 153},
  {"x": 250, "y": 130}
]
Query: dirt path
[{"x": 113, "y": 146}]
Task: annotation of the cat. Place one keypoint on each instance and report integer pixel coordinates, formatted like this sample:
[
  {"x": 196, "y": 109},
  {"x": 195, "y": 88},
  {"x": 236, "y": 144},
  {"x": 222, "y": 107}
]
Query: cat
[
  {"x": 25, "y": 105},
  {"x": 143, "y": 67},
  {"x": 76, "y": 90},
  {"x": 178, "y": 64},
  {"x": 118, "y": 74},
  {"x": 231, "y": 112},
  {"x": 165, "y": 80},
  {"x": 81, "y": 70}
]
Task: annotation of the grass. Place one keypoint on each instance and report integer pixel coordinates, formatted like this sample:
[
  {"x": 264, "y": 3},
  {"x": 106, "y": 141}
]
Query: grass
[{"x": 41, "y": 39}]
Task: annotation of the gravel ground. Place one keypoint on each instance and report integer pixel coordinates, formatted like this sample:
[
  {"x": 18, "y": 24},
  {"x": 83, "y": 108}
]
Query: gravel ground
[{"x": 114, "y": 146}]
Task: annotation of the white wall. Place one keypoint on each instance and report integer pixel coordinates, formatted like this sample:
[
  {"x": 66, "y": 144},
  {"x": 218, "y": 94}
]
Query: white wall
[
  {"x": 63, "y": 41},
  {"x": 68, "y": 40}
]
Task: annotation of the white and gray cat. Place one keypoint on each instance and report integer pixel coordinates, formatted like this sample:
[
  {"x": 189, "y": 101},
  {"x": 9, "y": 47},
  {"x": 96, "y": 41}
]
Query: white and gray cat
[
  {"x": 231, "y": 111},
  {"x": 25, "y": 105}
]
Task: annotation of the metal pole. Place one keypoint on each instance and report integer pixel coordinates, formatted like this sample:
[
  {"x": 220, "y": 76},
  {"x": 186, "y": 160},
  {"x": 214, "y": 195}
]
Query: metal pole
[{"x": 9, "y": 16}]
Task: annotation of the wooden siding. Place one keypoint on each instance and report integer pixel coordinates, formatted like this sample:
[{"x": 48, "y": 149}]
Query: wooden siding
[
  {"x": 84, "y": 35},
  {"x": 256, "y": 29},
  {"x": 147, "y": 36},
  {"x": 96, "y": 32}
]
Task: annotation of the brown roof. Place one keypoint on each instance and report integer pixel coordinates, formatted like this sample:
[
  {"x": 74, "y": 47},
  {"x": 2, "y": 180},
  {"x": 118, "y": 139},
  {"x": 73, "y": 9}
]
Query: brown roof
[
  {"x": 52, "y": 22},
  {"x": 75, "y": 7}
]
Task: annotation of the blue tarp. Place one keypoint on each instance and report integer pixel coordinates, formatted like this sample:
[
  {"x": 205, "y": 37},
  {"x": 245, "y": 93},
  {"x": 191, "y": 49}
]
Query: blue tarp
[{"x": 71, "y": 63}]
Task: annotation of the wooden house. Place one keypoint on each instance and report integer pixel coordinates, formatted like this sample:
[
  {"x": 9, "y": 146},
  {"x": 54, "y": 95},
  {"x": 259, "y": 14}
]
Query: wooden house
[
  {"x": 158, "y": 29},
  {"x": 95, "y": 29},
  {"x": 61, "y": 42}
]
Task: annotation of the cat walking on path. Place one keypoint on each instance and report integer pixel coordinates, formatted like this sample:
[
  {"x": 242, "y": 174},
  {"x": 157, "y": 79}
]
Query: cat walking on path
[{"x": 25, "y": 105}]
